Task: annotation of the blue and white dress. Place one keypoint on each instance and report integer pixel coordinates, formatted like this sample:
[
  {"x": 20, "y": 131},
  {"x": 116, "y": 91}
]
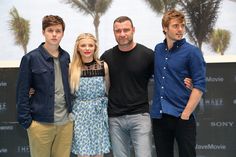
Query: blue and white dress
[{"x": 91, "y": 136}]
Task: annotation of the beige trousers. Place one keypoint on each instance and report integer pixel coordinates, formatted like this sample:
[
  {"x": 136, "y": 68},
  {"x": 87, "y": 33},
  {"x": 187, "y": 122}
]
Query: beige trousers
[{"x": 48, "y": 140}]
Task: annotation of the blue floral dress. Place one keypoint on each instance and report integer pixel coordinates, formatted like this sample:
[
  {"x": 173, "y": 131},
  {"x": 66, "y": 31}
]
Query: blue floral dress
[{"x": 91, "y": 136}]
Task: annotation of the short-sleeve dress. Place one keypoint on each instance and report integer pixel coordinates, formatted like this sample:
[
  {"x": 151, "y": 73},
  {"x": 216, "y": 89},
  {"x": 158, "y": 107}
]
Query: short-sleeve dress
[{"x": 91, "y": 136}]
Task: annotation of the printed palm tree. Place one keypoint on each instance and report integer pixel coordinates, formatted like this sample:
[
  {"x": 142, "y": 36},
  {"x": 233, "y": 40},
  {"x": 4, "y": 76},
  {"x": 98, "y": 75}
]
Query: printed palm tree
[
  {"x": 220, "y": 40},
  {"x": 94, "y": 8},
  {"x": 201, "y": 18},
  {"x": 161, "y": 6},
  {"x": 20, "y": 28}
]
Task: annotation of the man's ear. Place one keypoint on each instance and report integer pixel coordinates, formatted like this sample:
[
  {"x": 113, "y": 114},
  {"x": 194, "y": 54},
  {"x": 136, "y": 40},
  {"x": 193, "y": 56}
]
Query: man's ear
[
  {"x": 133, "y": 29},
  {"x": 164, "y": 30}
]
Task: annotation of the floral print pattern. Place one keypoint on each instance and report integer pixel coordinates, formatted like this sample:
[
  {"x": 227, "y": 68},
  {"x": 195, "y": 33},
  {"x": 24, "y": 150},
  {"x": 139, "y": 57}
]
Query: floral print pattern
[{"x": 91, "y": 135}]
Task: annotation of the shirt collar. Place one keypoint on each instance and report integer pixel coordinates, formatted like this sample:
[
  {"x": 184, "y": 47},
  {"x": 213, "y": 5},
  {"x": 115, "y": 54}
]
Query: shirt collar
[
  {"x": 177, "y": 44},
  {"x": 45, "y": 54}
]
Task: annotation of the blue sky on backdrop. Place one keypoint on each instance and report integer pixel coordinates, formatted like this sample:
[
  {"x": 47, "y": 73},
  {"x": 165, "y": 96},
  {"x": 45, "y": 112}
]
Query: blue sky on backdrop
[{"x": 147, "y": 23}]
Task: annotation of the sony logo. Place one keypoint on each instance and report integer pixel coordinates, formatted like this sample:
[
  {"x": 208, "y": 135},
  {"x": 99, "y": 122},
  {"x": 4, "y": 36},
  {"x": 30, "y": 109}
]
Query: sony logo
[{"x": 222, "y": 124}]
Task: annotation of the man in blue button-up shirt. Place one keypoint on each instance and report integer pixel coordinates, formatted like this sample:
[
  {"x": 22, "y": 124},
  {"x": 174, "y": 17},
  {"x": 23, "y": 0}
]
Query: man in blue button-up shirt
[
  {"x": 45, "y": 114},
  {"x": 173, "y": 103}
]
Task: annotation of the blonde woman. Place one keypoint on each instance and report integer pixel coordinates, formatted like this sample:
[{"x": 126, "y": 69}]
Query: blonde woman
[{"x": 89, "y": 81}]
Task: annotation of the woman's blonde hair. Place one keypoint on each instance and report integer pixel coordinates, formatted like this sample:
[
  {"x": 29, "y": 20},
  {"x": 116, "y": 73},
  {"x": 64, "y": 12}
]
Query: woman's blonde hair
[{"x": 76, "y": 64}]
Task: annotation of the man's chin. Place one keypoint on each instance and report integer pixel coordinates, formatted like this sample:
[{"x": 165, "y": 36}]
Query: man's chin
[
  {"x": 123, "y": 43},
  {"x": 179, "y": 37}
]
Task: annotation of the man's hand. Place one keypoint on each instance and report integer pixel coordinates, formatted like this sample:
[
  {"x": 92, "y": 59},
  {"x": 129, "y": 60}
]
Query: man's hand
[
  {"x": 185, "y": 116},
  {"x": 188, "y": 83},
  {"x": 31, "y": 92}
]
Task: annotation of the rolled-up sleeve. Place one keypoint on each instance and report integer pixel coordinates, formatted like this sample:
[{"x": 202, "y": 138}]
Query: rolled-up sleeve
[{"x": 198, "y": 70}]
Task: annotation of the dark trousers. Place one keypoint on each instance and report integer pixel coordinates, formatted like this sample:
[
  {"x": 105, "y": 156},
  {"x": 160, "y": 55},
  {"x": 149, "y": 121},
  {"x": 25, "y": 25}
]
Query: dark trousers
[{"x": 169, "y": 128}]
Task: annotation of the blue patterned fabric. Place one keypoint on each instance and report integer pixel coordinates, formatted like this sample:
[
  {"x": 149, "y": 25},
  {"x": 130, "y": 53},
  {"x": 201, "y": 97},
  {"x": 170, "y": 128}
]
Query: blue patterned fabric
[{"x": 91, "y": 135}]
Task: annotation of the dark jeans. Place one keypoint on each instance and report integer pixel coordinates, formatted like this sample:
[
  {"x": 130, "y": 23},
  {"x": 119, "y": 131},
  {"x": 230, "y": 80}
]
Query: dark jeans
[{"x": 169, "y": 128}]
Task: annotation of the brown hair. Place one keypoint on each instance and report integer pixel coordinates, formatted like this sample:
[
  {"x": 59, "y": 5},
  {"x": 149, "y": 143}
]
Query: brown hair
[
  {"x": 51, "y": 20},
  {"x": 123, "y": 19},
  {"x": 172, "y": 14}
]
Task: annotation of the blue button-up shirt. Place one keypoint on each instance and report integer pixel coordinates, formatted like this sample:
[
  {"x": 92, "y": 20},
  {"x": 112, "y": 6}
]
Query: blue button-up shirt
[
  {"x": 37, "y": 71},
  {"x": 171, "y": 67}
]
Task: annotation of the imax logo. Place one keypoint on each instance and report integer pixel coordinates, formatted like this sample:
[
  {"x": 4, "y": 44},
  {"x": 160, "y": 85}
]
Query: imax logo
[
  {"x": 222, "y": 124},
  {"x": 214, "y": 79}
]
